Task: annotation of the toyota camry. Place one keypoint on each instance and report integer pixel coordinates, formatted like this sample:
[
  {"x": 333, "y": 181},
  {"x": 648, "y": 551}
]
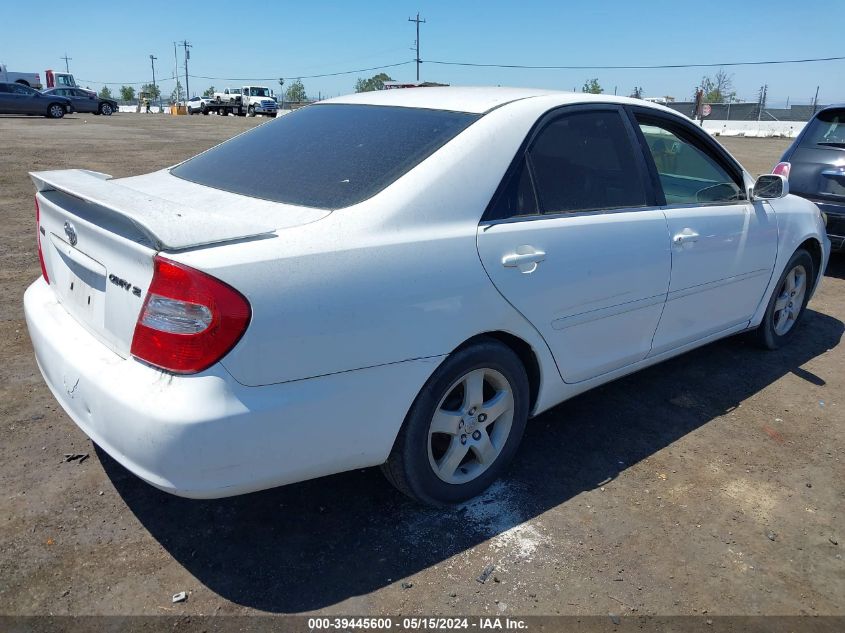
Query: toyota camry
[{"x": 400, "y": 278}]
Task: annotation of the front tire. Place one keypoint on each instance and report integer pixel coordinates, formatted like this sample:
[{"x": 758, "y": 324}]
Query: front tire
[
  {"x": 788, "y": 301},
  {"x": 105, "y": 109},
  {"x": 55, "y": 111},
  {"x": 250, "y": 111},
  {"x": 464, "y": 426}
]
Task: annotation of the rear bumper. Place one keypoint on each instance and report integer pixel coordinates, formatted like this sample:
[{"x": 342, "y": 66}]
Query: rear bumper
[
  {"x": 206, "y": 435},
  {"x": 834, "y": 215}
]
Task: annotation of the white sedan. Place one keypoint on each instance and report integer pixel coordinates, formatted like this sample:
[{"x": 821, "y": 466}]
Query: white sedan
[{"x": 400, "y": 278}]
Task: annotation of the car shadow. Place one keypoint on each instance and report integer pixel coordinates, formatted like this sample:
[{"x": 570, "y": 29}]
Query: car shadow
[{"x": 311, "y": 545}]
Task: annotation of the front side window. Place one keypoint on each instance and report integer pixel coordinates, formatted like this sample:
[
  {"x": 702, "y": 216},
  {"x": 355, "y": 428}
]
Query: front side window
[
  {"x": 688, "y": 174},
  {"x": 327, "y": 156},
  {"x": 584, "y": 161}
]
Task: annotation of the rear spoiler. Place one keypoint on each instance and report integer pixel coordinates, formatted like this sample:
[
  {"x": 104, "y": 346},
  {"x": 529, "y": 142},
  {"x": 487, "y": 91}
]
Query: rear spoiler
[{"x": 169, "y": 225}]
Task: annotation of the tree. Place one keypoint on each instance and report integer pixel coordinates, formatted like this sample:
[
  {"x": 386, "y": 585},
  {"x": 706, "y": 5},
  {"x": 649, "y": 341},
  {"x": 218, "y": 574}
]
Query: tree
[
  {"x": 718, "y": 88},
  {"x": 105, "y": 93},
  {"x": 592, "y": 86},
  {"x": 176, "y": 95},
  {"x": 152, "y": 91},
  {"x": 296, "y": 92},
  {"x": 127, "y": 93},
  {"x": 209, "y": 92},
  {"x": 636, "y": 93},
  {"x": 376, "y": 82}
]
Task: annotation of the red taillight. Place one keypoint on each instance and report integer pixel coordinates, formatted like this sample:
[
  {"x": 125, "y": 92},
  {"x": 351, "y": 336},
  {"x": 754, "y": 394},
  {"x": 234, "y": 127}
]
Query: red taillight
[
  {"x": 782, "y": 169},
  {"x": 189, "y": 320},
  {"x": 38, "y": 240}
]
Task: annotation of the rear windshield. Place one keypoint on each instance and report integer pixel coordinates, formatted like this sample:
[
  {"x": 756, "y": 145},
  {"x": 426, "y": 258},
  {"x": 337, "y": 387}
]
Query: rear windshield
[
  {"x": 327, "y": 156},
  {"x": 828, "y": 128}
]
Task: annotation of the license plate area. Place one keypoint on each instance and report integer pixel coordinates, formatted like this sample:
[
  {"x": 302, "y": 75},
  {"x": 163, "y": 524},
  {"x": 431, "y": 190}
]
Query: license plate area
[
  {"x": 833, "y": 183},
  {"x": 79, "y": 282}
]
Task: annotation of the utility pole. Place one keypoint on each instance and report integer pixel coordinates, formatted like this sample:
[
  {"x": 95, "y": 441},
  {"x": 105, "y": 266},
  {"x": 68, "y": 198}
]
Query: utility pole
[
  {"x": 186, "y": 45},
  {"x": 417, "y": 41},
  {"x": 762, "y": 100},
  {"x": 815, "y": 101},
  {"x": 153, "y": 59},
  {"x": 282, "y": 91},
  {"x": 176, "y": 72},
  {"x": 67, "y": 59}
]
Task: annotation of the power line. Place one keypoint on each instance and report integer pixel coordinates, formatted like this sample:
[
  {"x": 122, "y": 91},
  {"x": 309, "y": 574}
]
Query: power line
[
  {"x": 344, "y": 72},
  {"x": 122, "y": 83},
  {"x": 631, "y": 67},
  {"x": 450, "y": 63},
  {"x": 171, "y": 78}
]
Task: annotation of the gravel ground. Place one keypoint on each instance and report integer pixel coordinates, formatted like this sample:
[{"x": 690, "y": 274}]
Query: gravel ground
[{"x": 711, "y": 484}]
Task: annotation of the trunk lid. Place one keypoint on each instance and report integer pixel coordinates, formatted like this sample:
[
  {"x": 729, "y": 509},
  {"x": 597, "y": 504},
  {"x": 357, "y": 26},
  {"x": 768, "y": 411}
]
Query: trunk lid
[
  {"x": 99, "y": 237},
  {"x": 818, "y": 172}
]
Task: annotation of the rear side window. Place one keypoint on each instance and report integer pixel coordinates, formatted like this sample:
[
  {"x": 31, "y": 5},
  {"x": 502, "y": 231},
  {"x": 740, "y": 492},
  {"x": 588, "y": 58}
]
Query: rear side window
[
  {"x": 584, "y": 161},
  {"x": 517, "y": 196},
  {"x": 327, "y": 156},
  {"x": 826, "y": 130}
]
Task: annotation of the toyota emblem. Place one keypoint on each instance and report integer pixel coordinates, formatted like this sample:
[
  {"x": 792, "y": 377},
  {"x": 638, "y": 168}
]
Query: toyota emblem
[{"x": 71, "y": 233}]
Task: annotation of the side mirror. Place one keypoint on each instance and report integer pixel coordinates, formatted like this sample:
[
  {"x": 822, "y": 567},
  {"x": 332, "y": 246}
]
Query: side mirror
[{"x": 770, "y": 187}]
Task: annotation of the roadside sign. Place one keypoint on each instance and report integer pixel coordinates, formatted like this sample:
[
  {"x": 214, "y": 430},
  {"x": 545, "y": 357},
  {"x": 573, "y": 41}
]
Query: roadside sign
[{"x": 706, "y": 109}]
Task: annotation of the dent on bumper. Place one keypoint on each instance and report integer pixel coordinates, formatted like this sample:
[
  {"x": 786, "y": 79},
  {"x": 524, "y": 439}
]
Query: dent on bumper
[{"x": 206, "y": 435}]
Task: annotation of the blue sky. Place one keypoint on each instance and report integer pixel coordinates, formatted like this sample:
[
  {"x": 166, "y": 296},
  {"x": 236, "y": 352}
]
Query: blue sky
[{"x": 112, "y": 42}]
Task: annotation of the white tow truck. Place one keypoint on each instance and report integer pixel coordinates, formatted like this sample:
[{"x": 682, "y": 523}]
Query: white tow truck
[
  {"x": 33, "y": 80},
  {"x": 251, "y": 100}
]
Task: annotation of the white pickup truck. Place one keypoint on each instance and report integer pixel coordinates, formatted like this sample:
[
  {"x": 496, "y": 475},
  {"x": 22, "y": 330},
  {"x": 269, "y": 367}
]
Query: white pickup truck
[
  {"x": 253, "y": 99},
  {"x": 228, "y": 95},
  {"x": 33, "y": 80}
]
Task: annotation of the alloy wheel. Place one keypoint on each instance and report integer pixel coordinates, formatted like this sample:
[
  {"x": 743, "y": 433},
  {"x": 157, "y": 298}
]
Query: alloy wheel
[
  {"x": 790, "y": 300},
  {"x": 470, "y": 426}
]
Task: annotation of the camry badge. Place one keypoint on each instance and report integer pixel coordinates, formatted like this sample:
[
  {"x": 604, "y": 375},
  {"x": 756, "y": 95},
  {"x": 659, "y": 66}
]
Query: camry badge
[{"x": 71, "y": 233}]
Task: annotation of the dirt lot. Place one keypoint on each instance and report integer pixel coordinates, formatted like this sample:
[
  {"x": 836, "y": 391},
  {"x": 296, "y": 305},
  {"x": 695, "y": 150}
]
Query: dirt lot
[{"x": 710, "y": 484}]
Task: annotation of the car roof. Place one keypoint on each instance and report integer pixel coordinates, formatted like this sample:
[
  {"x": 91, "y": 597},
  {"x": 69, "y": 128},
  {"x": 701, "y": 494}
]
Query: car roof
[
  {"x": 832, "y": 106},
  {"x": 477, "y": 100}
]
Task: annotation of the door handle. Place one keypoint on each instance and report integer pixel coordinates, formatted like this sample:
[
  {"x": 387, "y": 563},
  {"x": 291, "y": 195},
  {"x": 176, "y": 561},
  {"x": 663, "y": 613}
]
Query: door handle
[
  {"x": 687, "y": 235},
  {"x": 525, "y": 259}
]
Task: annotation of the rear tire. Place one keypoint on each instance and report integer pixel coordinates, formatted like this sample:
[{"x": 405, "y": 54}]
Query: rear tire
[
  {"x": 788, "y": 301},
  {"x": 55, "y": 111},
  {"x": 464, "y": 427}
]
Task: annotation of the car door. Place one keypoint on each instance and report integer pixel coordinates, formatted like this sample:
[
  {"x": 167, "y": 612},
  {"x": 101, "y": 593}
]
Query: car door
[
  {"x": 574, "y": 240},
  {"x": 8, "y": 102},
  {"x": 82, "y": 101},
  {"x": 723, "y": 245},
  {"x": 21, "y": 99}
]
